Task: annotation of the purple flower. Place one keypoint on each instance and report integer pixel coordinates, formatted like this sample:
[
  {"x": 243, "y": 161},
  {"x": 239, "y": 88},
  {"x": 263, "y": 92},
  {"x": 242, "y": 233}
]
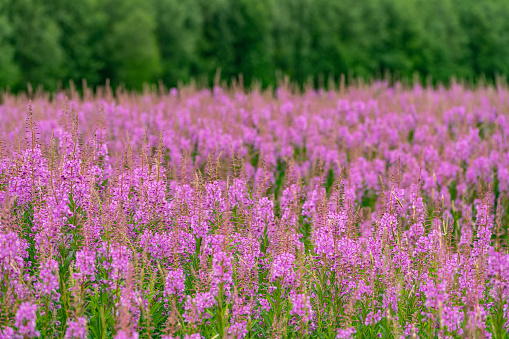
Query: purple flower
[
  {"x": 76, "y": 329},
  {"x": 196, "y": 306},
  {"x": 25, "y": 320},
  {"x": 126, "y": 335},
  {"x": 301, "y": 306},
  {"x": 193, "y": 336},
  {"x": 12, "y": 254},
  {"x": 238, "y": 330},
  {"x": 174, "y": 283},
  {"x": 346, "y": 333},
  {"x": 282, "y": 268},
  {"x": 9, "y": 333},
  {"x": 222, "y": 271},
  {"x": 115, "y": 260},
  {"x": 85, "y": 265},
  {"x": 47, "y": 284}
]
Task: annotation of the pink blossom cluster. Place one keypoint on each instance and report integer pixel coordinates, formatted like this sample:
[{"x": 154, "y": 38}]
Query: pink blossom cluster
[{"x": 372, "y": 211}]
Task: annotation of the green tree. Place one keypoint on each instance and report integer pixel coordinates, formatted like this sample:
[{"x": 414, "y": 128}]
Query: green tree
[
  {"x": 9, "y": 70},
  {"x": 80, "y": 23},
  {"x": 486, "y": 25},
  {"x": 251, "y": 24},
  {"x": 137, "y": 41},
  {"x": 178, "y": 31},
  {"x": 128, "y": 45},
  {"x": 215, "y": 45},
  {"x": 292, "y": 38},
  {"x": 35, "y": 38},
  {"x": 442, "y": 48},
  {"x": 236, "y": 37}
]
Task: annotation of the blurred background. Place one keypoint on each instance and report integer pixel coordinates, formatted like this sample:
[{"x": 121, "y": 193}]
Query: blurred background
[{"x": 132, "y": 42}]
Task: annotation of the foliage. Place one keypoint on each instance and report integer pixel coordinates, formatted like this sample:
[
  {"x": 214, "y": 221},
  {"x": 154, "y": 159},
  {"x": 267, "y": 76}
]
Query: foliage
[{"x": 134, "y": 41}]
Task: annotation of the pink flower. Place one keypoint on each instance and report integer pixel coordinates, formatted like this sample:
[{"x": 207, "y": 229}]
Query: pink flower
[
  {"x": 25, "y": 320},
  {"x": 175, "y": 283},
  {"x": 346, "y": 333},
  {"x": 301, "y": 306},
  {"x": 76, "y": 329}
]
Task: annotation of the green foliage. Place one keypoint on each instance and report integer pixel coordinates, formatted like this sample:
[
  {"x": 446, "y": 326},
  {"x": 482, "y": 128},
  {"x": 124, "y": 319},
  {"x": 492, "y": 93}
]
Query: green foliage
[
  {"x": 9, "y": 71},
  {"x": 486, "y": 24},
  {"x": 134, "y": 41},
  {"x": 35, "y": 37},
  {"x": 178, "y": 25},
  {"x": 82, "y": 23},
  {"x": 129, "y": 46}
]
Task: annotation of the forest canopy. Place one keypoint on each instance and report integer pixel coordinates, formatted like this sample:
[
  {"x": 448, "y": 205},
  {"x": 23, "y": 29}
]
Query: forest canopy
[{"x": 132, "y": 42}]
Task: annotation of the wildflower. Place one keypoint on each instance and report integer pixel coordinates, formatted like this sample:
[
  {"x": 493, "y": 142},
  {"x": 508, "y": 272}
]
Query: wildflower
[
  {"x": 126, "y": 335},
  {"x": 346, "y": 333},
  {"x": 47, "y": 284},
  {"x": 301, "y": 306},
  {"x": 85, "y": 266},
  {"x": 222, "y": 271},
  {"x": 174, "y": 283},
  {"x": 76, "y": 329},
  {"x": 25, "y": 320},
  {"x": 282, "y": 267}
]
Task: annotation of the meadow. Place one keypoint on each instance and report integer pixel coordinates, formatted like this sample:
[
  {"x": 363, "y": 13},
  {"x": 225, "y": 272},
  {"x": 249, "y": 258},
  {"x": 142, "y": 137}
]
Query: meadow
[{"x": 371, "y": 211}]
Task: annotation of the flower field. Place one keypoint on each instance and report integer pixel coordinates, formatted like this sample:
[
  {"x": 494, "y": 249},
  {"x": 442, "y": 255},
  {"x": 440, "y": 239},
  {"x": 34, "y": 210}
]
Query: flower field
[{"x": 366, "y": 212}]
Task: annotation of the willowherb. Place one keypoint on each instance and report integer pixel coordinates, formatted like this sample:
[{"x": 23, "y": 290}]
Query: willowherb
[{"x": 373, "y": 211}]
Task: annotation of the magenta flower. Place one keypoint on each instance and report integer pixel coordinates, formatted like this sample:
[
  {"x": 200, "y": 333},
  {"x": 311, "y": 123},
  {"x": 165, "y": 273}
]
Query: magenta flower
[
  {"x": 301, "y": 306},
  {"x": 175, "y": 283},
  {"x": 76, "y": 329},
  {"x": 25, "y": 320}
]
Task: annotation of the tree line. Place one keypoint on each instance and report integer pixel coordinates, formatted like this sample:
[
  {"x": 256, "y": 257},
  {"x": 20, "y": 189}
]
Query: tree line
[{"x": 131, "y": 42}]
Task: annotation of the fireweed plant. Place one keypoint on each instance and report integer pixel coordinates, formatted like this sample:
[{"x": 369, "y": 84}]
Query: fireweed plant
[{"x": 367, "y": 212}]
